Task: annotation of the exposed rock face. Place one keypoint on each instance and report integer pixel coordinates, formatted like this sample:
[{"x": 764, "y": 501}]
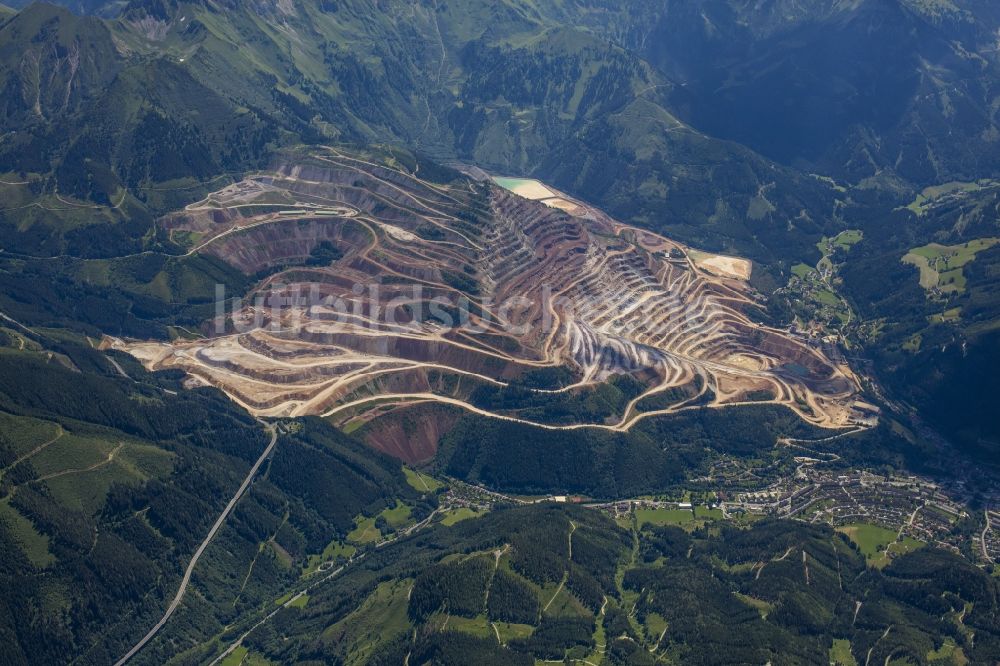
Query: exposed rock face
[
  {"x": 439, "y": 292},
  {"x": 410, "y": 432}
]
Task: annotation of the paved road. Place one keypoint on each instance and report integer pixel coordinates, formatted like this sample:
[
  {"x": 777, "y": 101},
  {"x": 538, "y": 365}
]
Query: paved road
[{"x": 201, "y": 549}]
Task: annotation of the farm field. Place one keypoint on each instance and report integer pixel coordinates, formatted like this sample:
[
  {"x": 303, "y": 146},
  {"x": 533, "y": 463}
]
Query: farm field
[
  {"x": 663, "y": 516},
  {"x": 949, "y": 315},
  {"x": 380, "y": 617},
  {"x": 878, "y": 544},
  {"x": 941, "y": 265},
  {"x": 931, "y": 194},
  {"x": 706, "y": 513},
  {"x": 334, "y": 550},
  {"x": 871, "y": 539},
  {"x": 421, "y": 482},
  {"x": 897, "y": 548},
  {"x": 948, "y": 653},
  {"x": 802, "y": 270},
  {"x": 366, "y": 530},
  {"x": 840, "y": 653},
  {"x": 509, "y": 631},
  {"x": 476, "y": 626},
  {"x": 845, "y": 240},
  {"x": 236, "y": 658},
  {"x": 458, "y": 515}
]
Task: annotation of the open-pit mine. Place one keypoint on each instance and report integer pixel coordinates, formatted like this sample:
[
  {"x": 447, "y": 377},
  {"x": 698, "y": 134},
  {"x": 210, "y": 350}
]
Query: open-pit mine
[{"x": 380, "y": 288}]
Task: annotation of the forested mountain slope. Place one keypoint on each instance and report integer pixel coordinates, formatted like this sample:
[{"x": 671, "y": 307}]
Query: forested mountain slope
[
  {"x": 501, "y": 85},
  {"x": 553, "y": 583},
  {"x": 110, "y": 482},
  {"x": 856, "y": 90}
]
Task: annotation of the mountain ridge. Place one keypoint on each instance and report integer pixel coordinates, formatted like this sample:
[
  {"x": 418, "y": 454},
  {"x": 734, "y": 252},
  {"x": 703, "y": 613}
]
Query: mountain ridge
[{"x": 335, "y": 94}]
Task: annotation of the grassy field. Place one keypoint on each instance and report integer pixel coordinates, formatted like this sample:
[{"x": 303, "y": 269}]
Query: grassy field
[
  {"x": 763, "y": 607},
  {"x": 458, "y": 515},
  {"x": 236, "y": 657},
  {"x": 509, "y": 631},
  {"x": 564, "y": 604},
  {"x": 186, "y": 238},
  {"x": 705, "y": 513},
  {"x": 364, "y": 528},
  {"x": 941, "y": 265},
  {"x": 803, "y": 270},
  {"x": 913, "y": 344},
  {"x": 655, "y": 624},
  {"x": 24, "y": 433},
  {"x": 421, "y": 482},
  {"x": 333, "y": 550},
  {"x": 842, "y": 241},
  {"x": 840, "y": 653},
  {"x": 878, "y": 544},
  {"x": 477, "y": 626},
  {"x": 827, "y": 297},
  {"x": 300, "y": 602},
  {"x": 380, "y": 618},
  {"x": 871, "y": 539},
  {"x": 397, "y": 516},
  {"x": 353, "y": 426},
  {"x": 948, "y": 653},
  {"x": 901, "y": 547},
  {"x": 364, "y": 531},
  {"x": 663, "y": 516},
  {"x": 919, "y": 204},
  {"x": 952, "y": 314}
]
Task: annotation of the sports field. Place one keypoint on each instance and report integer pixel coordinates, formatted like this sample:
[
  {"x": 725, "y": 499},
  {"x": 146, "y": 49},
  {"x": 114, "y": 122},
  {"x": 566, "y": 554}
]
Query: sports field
[{"x": 663, "y": 516}]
